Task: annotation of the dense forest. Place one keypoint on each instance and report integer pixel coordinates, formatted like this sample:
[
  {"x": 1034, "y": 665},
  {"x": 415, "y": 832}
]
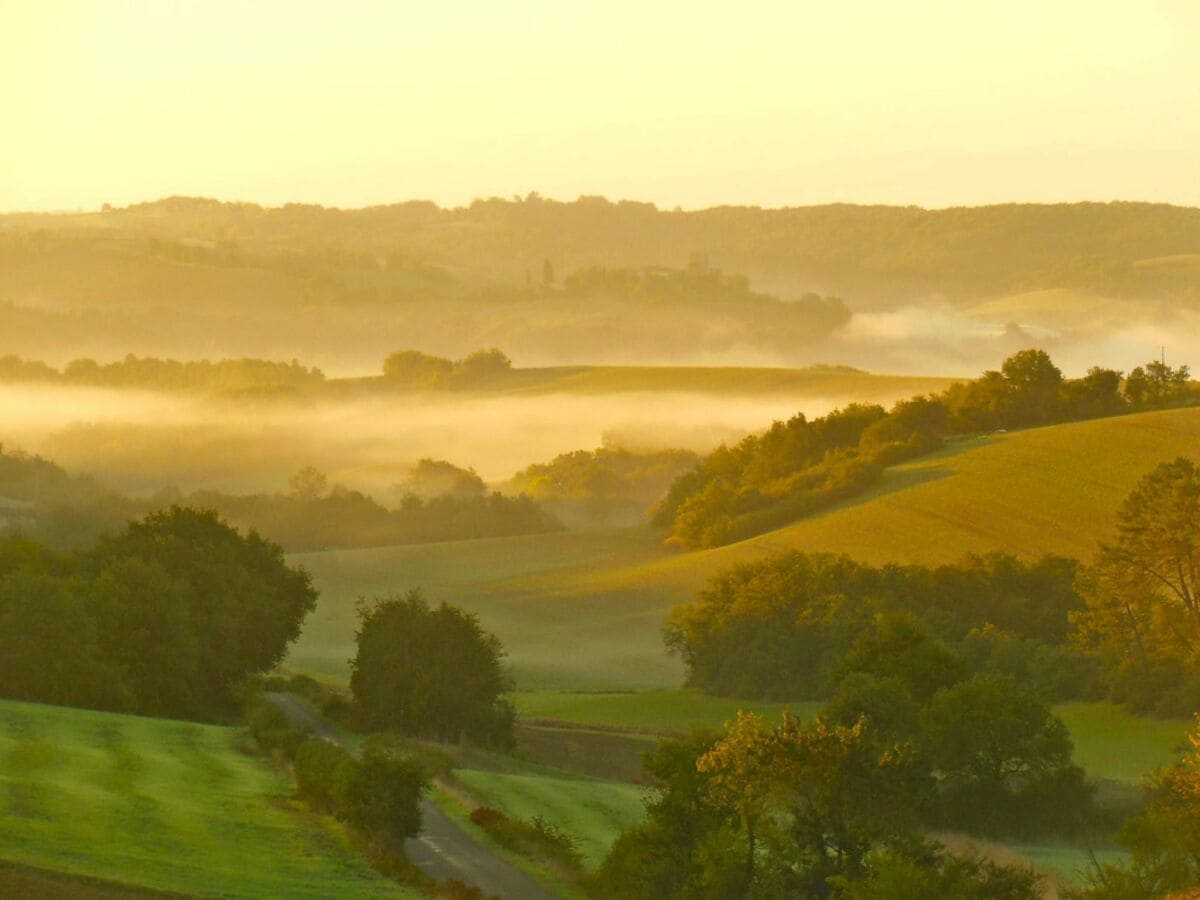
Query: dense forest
[{"x": 800, "y": 466}]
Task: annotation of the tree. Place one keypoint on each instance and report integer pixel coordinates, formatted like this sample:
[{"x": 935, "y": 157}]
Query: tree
[
  {"x": 308, "y": 484},
  {"x": 897, "y": 647},
  {"x": 481, "y": 366},
  {"x": 50, "y": 651},
  {"x": 430, "y": 671},
  {"x": 999, "y": 753},
  {"x": 431, "y": 478},
  {"x": 380, "y": 793},
  {"x": 1142, "y": 595},
  {"x": 243, "y": 604},
  {"x": 1034, "y": 381},
  {"x": 660, "y": 857},
  {"x": 886, "y": 703},
  {"x": 1156, "y": 385},
  {"x": 147, "y": 630},
  {"x": 415, "y": 369}
]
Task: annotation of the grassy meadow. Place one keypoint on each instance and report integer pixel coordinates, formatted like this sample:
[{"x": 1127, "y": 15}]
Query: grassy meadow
[
  {"x": 583, "y": 610},
  {"x": 169, "y": 805}
]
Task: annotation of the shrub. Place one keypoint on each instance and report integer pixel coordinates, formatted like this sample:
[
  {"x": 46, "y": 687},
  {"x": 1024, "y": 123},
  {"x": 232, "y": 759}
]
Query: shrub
[
  {"x": 486, "y": 817},
  {"x": 273, "y": 731},
  {"x": 317, "y": 765}
]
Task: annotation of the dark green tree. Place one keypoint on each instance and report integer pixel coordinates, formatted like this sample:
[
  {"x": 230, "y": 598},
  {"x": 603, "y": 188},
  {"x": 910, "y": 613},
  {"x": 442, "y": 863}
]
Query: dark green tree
[
  {"x": 1002, "y": 759},
  {"x": 243, "y": 603},
  {"x": 430, "y": 671}
]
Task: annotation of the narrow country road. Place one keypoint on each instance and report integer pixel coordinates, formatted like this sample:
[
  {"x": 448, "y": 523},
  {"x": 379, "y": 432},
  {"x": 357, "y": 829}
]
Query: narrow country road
[{"x": 442, "y": 850}]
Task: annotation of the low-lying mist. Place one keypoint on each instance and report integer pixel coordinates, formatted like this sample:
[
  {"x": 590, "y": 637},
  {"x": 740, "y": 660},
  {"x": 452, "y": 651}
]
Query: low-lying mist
[{"x": 139, "y": 442}]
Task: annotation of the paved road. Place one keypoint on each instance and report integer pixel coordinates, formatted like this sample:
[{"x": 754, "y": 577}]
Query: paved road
[{"x": 442, "y": 850}]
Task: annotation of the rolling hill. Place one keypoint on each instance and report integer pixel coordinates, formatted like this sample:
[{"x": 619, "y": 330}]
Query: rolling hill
[
  {"x": 583, "y": 610},
  {"x": 171, "y": 806}
]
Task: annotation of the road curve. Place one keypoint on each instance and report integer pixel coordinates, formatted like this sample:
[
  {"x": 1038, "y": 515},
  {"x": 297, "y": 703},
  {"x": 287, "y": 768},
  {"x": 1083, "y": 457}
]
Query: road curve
[{"x": 442, "y": 850}]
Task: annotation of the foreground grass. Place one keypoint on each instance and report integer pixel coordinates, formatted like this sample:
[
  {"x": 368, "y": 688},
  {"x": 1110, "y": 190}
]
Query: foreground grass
[
  {"x": 163, "y": 804},
  {"x": 584, "y": 610}
]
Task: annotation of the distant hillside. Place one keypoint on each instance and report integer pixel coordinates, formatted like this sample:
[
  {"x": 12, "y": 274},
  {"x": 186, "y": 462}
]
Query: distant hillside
[{"x": 870, "y": 255}]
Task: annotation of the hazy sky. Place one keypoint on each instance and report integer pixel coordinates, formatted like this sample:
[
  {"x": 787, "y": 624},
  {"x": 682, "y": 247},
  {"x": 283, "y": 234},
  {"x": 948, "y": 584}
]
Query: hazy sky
[{"x": 692, "y": 103}]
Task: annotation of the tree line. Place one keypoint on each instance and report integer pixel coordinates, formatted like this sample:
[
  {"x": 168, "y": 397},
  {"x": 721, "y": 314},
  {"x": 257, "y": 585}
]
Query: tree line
[
  {"x": 440, "y": 502},
  {"x": 800, "y": 466},
  {"x": 153, "y": 373}
]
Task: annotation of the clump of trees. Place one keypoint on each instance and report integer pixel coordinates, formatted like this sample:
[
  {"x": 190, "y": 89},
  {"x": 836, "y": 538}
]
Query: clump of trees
[
  {"x": 801, "y": 465},
  {"x": 792, "y": 626},
  {"x": 169, "y": 617},
  {"x": 793, "y": 810},
  {"x": 430, "y": 672},
  {"x": 606, "y": 486},
  {"x": 1141, "y": 617},
  {"x": 413, "y": 369}
]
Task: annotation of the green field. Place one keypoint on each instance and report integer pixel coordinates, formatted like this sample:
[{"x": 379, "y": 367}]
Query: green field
[
  {"x": 591, "y": 811},
  {"x": 584, "y": 610},
  {"x": 1111, "y": 743},
  {"x": 165, "y": 804},
  {"x": 651, "y": 712}
]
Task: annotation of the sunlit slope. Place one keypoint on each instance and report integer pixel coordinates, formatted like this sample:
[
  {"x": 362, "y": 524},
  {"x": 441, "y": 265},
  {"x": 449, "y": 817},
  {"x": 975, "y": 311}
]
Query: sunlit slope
[
  {"x": 169, "y": 805},
  {"x": 584, "y": 610}
]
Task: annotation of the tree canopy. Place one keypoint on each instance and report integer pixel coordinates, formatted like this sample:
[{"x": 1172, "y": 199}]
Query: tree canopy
[
  {"x": 169, "y": 617},
  {"x": 1142, "y": 614}
]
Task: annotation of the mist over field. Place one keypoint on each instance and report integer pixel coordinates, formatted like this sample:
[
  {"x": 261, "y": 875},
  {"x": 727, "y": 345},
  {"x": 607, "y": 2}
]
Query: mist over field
[{"x": 140, "y": 441}]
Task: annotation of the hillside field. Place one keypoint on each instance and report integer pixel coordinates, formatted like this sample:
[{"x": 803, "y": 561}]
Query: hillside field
[
  {"x": 168, "y": 805},
  {"x": 839, "y": 384},
  {"x": 583, "y": 610}
]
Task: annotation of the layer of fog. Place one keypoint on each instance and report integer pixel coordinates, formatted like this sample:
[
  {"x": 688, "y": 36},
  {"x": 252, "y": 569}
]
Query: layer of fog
[
  {"x": 140, "y": 442},
  {"x": 941, "y": 340}
]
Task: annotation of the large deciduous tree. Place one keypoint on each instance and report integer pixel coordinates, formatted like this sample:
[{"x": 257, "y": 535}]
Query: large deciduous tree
[{"x": 1143, "y": 592}]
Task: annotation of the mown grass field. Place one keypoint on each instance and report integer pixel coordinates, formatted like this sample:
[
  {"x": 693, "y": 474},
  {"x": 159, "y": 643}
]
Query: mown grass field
[
  {"x": 169, "y": 805},
  {"x": 584, "y": 610}
]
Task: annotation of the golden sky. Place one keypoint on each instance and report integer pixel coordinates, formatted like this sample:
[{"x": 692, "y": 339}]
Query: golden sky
[{"x": 681, "y": 103}]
